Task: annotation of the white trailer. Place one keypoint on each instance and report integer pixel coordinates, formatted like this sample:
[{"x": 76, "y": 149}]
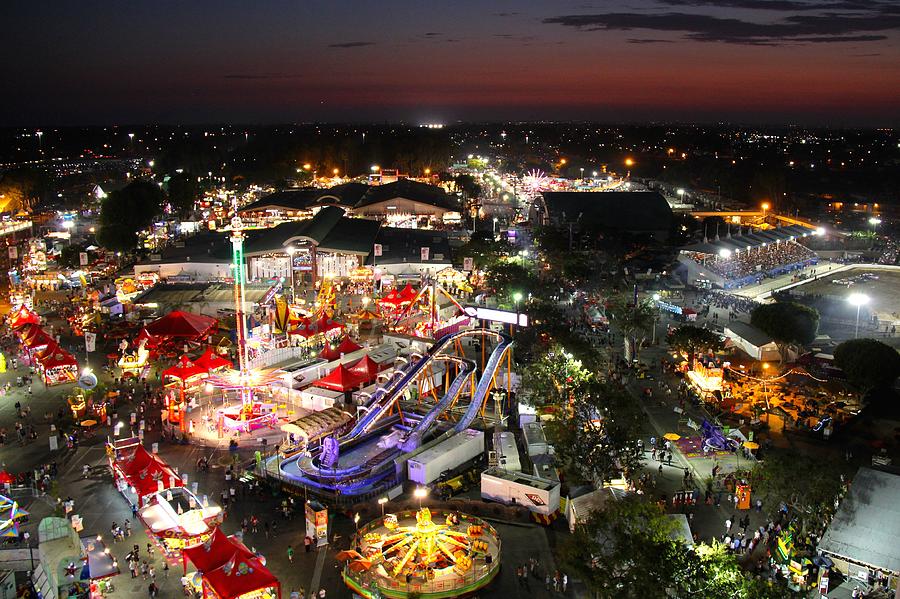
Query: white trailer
[
  {"x": 507, "y": 451},
  {"x": 535, "y": 441},
  {"x": 450, "y": 453},
  {"x": 515, "y": 488}
]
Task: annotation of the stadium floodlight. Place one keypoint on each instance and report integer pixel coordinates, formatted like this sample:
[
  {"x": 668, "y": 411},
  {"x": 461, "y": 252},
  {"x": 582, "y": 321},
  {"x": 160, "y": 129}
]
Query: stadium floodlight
[
  {"x": 859, "y": 300},
  {"x": 725, "y": 253},
  {"x": 820, "y": 231}
]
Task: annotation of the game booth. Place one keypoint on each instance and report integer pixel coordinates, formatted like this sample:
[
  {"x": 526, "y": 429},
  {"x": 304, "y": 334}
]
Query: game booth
[
  {"x": 139, "y": 474},
  {"x": 177, "y": 519},
  {"x": 178, "y": 380},
  {"x": 57, "y": 367},
  {"x": 227, "y": 569}
]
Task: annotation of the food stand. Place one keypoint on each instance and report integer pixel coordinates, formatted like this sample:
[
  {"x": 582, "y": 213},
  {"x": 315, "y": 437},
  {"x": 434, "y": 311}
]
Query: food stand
[
  {"x": 139, "y": 474},
  {"x": 229, "y": 570}
]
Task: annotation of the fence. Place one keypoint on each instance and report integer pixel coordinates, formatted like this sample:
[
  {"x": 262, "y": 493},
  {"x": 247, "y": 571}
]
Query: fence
[{"x": 274, "y": 356}]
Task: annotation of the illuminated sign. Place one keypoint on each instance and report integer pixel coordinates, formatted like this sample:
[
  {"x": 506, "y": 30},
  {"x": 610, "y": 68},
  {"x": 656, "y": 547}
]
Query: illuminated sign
[{"x": 498, "y": 315}]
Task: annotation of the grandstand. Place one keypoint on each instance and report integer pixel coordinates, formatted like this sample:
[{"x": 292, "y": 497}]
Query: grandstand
[{"x": 737, "y": 261}]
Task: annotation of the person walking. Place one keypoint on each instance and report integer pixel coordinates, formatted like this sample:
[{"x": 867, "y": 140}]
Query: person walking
[
  {"x": 565, "y": 581},
  {"x": 290, "y": 554}
]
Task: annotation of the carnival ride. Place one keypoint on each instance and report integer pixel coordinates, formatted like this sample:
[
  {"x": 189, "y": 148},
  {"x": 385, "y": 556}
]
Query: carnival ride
[
  {"x": 397, "y": 556},
  {"x": 363, "y": 459}
]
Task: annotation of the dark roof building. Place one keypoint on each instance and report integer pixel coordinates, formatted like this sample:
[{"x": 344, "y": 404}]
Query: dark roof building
[
  {"x": 634, "y": 212},
  {"x": 329, "y": 230},
  {"x": 407, "y": 196},
  {"x": 404, "y": 246}
]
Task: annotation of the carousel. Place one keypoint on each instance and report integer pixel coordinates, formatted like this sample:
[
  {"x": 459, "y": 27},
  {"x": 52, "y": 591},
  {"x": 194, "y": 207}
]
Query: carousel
[{"x": 422, "y": 553}]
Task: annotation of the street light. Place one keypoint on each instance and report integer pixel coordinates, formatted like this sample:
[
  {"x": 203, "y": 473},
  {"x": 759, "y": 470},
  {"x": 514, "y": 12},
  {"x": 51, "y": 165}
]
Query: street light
[
  {"x": 859, "y": 300},
  {"x": 765, "y": 208},
  {"x": 420, "y": 493},
  {"x": 495, "y": 225},
  {"x": 382, "y": 501},
  {"x": 375, "y": 168}
]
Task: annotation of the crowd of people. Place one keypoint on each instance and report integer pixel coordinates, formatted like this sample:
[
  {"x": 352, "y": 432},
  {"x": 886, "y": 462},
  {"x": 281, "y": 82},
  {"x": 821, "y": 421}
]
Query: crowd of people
[
  {"x": 755, "y": 264},
  {"x": 735, "y": 304}
]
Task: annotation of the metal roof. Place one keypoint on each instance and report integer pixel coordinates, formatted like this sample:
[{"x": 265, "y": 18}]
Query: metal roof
[
  {"x": 758, "y": 238},
  {"x": 866, "y": 527}
]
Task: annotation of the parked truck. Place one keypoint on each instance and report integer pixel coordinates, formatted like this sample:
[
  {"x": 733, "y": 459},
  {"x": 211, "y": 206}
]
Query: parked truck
[
  {"x": 451, "y": 453},
  {"x": 507, "y": 451},
  {"x": 535, "y": 441},
  {"x": 516, "y": 488}
]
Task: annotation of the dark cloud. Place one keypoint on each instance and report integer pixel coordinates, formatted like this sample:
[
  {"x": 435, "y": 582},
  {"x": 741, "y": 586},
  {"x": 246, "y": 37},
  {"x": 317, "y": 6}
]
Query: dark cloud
[
  {"x": 518, "y": 38},
  {"x": 794, "y": 29},
  {"x": 258, "y": 76},
  {"x": 431, "y": 34},
  {"x": 504, "y": 14},
  {"x": 351, "y": 44},
  {"x": 649, "y": 41},
  {"x": 883, "y": 6}
]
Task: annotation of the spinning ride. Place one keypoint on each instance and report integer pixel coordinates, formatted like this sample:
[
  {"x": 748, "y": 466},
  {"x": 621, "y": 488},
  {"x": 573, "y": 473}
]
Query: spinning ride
[{"x": 406, "y": 553}]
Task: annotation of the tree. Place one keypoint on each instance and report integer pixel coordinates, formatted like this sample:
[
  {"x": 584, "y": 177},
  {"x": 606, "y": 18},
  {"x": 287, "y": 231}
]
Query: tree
[
  {"x": 787, "y": 323},
  {"x": 485, "y": 251},
  {"x": 183, "y": 192},
  {"x": 594, "y": 435},
  {"x": 624, "y": 550},
  {"x": 506, "y": 278},
  {"x": 692, "y": 340},
  {"x": 635, "y": 323},
  {"x": 808, "y": 485},
  {"x": 868, "y": 363},
  {"x": 127, "y": 211},
  {"x": 69, "y": 256},
  {"x": 552, "y": 379}
]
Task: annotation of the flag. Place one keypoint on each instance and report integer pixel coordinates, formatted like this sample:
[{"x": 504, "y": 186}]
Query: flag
[
  {"x": 424, "y": 253},
  {"x": 377, "y": 250},
  {"x": 90, "y": 341},
  {"x": 469, "y": 263}
]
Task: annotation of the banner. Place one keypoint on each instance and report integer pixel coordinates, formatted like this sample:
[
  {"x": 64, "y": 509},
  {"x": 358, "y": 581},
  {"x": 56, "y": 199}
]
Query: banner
[
  {"x": 424, "y": 253},
  {"x": 469, "y": 264},
  {"x": 13, "y": 252},
  {"x": 83, "y": 258},
  {"x": 90, "y": 341},
  {"x": 377, "y": 250}
]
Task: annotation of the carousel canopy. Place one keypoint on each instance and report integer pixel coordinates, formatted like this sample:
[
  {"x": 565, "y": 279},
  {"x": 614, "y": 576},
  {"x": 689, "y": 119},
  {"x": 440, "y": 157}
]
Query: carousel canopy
[
  {"x": 367, "y": 367},
  {"x": 348, "y": 346},
  {"x": 366, "y": 314},
  {"x": 185, "y": 325},
  {"x": 22, "y": 317},
  {"x": 184, "y": 369},
  {"x": 59, "y": 358},
  {"x": 212, "y": 361},
  {"x": 340, "y": 379}
]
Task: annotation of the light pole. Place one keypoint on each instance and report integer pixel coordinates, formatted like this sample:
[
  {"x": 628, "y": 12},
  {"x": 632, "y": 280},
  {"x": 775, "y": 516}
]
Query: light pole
[
  {"x": 655, "y": 315},
  {"x": 495, "y": 225},
  {"x": 517, "y": 297},
  {"x": 40, "y": 135},
  {"x": 765, "y": 209},
  {"x": 420, "y": 493},
  {"x": 291, "y": 250},
  {"x": 859, "y": 300},
  {"x": 381, "y": 502}
]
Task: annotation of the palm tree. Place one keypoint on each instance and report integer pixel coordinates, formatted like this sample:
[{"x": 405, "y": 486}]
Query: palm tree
[{"x": 636, "y": 323}]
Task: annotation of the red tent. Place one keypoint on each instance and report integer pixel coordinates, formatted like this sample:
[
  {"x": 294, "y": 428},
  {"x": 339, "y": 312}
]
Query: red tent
[
  {"x": 183, "y": 370},
  {"x": 367, "y": 368},
  {"x": 23, "y": 316},
  {"x": 6, "y": 478},
  {"x": 392, "y": 299},
  {"x": 51, "y": 349},
  {"x": 144, "y": 471},
  {"x": 228, "y": 568},
  {"x": 329, "y": 353},
  {"x": 325, "y": 324},
  {"x": 212, "y": 361},
  {"x": 348, "y": 346},
  {"x": 60, "y": 358},
  {"x": 340, "y": 379},
  {"x": 28, "y": 331},
  {"x": 150, "y": 340},
  {"x": 39, "y": 339},
  {"x": 303, "y": 330},
  {"x": 407, "y": 294},
  {"x": 183, "y": 325}
]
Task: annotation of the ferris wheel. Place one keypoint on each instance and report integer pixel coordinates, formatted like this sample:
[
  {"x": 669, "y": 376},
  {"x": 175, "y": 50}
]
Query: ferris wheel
[{"x": 535, "y": 181}]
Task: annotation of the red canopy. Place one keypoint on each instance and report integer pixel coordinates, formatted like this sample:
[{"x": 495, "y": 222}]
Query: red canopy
[
  {"x": 144, "y": 470},
  {"x": 407, "y": 294},
  {"x": 325, "y": 324},
  {"x": 6, "y": 478},
  {"x": 211, "y": 361},
  {"x": 348, "y": 346},
  {"x": 303, "y": 330},
  {"x": 184, "y": 325},
  {"x": 23, "y": 316},
  {"x": 229, "y": 567},
  {"x": 340, "y": 379},
  {"x": 392, "y": 298},
  {"x": 28, "y": 331},
  {"x": 51, "y": 349},
  {"x": 329, "y": 353},
  {"x": 147, "y": 337},
  {"x": 59, "y": 358},
  {"x": 367, "y": 367},
  {"x": 183, "y": 370},
  {"x": 39, "y": 339}
]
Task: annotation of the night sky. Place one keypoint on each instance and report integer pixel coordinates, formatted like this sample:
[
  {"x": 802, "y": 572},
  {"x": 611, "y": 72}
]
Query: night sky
[{"x": 828, "y": 62}]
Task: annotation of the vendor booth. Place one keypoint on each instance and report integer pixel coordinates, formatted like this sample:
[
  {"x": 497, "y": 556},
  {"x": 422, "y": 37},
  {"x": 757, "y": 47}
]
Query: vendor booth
[
  {"x": 229, "y": 570},
  {"x": 139, "y": 474}
]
